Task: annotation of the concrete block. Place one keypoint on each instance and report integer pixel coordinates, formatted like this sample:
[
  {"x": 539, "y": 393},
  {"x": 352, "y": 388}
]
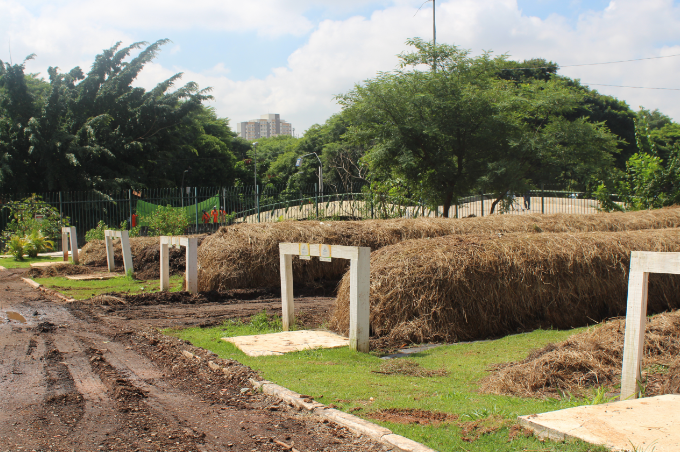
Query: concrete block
[
  {"x": 405, "y": 444},
  {"x": 355, "y": 424}
]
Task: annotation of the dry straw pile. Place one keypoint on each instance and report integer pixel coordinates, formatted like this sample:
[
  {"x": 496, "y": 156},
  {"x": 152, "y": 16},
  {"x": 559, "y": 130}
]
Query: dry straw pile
[
  {"x": 593, "y": 359},
  {"x": 457, "y": 288},
  {"x": 94, "y": 252},
  {"x": 247, "y": 255}
]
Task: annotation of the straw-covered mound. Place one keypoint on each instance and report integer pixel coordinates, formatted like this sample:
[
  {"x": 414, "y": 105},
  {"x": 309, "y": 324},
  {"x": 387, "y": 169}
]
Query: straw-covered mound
[
  {"x": 592, "y": 359},
  {"x": 457, "y": 288},
  {"x": 247, "y": 255}
]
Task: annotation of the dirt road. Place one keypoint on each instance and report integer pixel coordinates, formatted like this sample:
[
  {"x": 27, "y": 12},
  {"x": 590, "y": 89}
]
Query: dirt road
[{"x": 102, "y": 378}]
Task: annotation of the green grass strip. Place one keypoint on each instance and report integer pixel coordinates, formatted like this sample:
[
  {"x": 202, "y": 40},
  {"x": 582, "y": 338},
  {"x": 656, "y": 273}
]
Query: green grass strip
[
  {"x": 354, "y": 382},
  {"x": 81, "y": 290}
]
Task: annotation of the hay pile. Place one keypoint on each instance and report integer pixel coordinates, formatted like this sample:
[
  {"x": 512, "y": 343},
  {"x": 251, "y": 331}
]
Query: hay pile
[
  {"x": 94, "y": 252},
  {"x": 247, "y": 255},
  {"x": 57, "y": 270},
  {"x": 458, "y": 288},
  {"x": 592, "y": 359}
]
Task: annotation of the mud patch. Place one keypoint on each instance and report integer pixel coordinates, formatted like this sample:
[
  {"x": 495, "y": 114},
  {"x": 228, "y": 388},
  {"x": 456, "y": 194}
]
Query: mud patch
[
  {"x": 409, "y": 368},
  {"x": 473, "y": 430},
  {"x": 45, "y": 327},
  {"x": 413, "y": 416}
]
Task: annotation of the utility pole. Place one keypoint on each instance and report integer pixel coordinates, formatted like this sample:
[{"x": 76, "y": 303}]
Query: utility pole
[{"x": 434, "y": 36}]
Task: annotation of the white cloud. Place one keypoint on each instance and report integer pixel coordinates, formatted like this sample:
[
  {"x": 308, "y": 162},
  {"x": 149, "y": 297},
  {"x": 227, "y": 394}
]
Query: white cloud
[{"x": 339, "y": 53}]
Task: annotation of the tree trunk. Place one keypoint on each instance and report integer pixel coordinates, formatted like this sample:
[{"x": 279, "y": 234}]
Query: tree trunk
[
  {"x": 447, "y": 204},
  {"x": 493, "y": 205}
]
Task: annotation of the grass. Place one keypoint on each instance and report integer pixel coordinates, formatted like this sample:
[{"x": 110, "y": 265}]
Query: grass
[
  {"x": 358, "y": 383},
  {"x": 9, "y": 262},
  {"x": 81, "y": 290}
]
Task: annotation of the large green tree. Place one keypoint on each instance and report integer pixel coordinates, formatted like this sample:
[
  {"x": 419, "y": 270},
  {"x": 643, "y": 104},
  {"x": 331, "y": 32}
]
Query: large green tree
[
  {"x": 465, "y": 127},
  {"x": 98, "y": 131}
]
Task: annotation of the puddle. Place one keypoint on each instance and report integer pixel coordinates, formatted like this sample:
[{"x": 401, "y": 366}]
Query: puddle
[{"x": 16, "y": 316}]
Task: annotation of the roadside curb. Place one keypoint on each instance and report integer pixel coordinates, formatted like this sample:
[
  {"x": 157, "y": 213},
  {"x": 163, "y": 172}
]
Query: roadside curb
[
  {"x": 47, "y": 291},
  {"x": 349, "y": 421}
]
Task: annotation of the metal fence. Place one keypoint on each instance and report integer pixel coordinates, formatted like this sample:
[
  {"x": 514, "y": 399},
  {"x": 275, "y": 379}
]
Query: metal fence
[{"x": 270, "y": 203}]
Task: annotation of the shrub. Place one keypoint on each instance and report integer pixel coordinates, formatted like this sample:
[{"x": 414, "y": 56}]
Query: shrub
[
  {"x": 23, "y": 222},
  {"x": 36, "y": 243},
  {"x": 168, "y": 221},
  {"x": 97, "y": 233},
  {"x": 16, "y": 246}
]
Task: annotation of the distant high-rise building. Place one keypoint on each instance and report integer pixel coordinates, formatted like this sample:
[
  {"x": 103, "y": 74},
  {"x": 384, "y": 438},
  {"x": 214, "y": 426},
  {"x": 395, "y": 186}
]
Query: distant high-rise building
[{"x": 265, "y": 127}]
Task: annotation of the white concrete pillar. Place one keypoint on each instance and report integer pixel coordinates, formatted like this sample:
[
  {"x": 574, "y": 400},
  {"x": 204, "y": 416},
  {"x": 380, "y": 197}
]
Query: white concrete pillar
[
  {"x": 636, "y": 323},
  {"x": 287, "y": 300},
  {"x": 64, "y": 243},
  {"x": 192, "y": 265},
  {"x": 108, "y": 240},
  {"x": 359, "y": 307},
  {"x": 165, "y": 264},
  {"x": 127, "y": 251},
  {"x": 74, "y": 244}
]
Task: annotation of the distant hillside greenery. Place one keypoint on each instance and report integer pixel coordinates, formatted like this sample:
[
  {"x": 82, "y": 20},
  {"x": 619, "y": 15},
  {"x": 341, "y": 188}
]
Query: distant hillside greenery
[{"x": 444, "y": 124}]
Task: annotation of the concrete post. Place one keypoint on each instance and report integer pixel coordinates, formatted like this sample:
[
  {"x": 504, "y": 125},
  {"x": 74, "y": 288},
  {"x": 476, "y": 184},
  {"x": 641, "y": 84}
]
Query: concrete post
[
  {"x": 359, "y": 308},
  {"x": 642, "y": 263},
  {"x": 109, "y": 251},
  {"x": 191, "y": 274},
  {"x": 65, "y": 233},
  {"x": 165, "y": 265},
  {"x": 287, "y": 301}
]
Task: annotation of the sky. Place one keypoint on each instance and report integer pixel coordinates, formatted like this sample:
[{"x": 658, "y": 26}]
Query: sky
[{"x": 293, "y": 56}]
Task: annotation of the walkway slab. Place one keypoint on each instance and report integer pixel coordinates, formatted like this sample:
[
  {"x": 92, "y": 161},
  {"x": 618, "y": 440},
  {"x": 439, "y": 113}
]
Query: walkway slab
[
  {"x": 643, "y": 424},
  {"x": 287, "y": 341},
  {"x": 48, "y": 264},
  {"x": 93, "y": 276}
]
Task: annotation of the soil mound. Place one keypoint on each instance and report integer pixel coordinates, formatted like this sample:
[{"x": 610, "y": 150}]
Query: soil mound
[
  {"x": 247, "y": 255},
  {"x": 593, "y": 359},
  {"x": 457, "y": 288},
  {"x": 413, "y": 416},
  {"x": 58, "y": 270}
]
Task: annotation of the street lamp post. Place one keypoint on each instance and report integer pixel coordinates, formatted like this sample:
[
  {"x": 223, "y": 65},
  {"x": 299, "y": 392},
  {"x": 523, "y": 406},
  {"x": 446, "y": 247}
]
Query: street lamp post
[
  {"x": 257, "y": 190},
  {"x": 188, "y": 170},
  {"x": 299, "y": 162}
]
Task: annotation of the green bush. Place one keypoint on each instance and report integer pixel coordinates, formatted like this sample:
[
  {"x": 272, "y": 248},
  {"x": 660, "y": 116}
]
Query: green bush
[
  {"x": 168, "y": 221},
  {"x": 97, "y": 233},
  {"x": 36, "y": 243},
  {"x": 16, "y": 246},
  {"x": 23, "y": 222}
]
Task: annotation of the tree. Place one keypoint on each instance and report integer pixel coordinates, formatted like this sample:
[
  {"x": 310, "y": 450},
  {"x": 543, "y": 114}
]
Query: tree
[
  {"x": 97, "y": 131},
  {"x": 464, "y": 128}
]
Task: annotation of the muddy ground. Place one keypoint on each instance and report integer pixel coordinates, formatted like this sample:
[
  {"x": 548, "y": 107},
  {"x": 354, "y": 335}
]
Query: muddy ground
[{"x": 100, "y": 377}]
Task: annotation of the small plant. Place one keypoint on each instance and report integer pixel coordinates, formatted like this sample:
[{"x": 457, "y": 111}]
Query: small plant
[
  {"x": 168, "y": 221},
  {"x": 17, "y": 247},
  {"x": 36, "y": 243},
  {"x": 600, "y": 396},
  {"x": 96, "y": 233}
]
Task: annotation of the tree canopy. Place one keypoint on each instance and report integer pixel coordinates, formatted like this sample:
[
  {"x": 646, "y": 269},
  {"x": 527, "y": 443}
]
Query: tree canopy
[{"x": 97, "y": 131}]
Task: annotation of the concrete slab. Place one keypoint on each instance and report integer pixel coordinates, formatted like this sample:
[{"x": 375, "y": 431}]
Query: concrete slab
[
  {"x": 287, "y": 341},
  {"x": 93, "y": 276},
  {"x": 643, "y": 424}
]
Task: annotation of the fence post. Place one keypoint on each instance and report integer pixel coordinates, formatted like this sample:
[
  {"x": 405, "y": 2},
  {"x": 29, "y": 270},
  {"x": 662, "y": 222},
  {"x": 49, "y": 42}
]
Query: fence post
[
  {"x": 196, "y": 206},
  {"x": 130, "y": 198},
  {"x": 456, "y": 210},
  {"x": 482, "y": 195},
  {"x": 257, "y": 201},
  {"x": 316, "y": 200},
  {"x": 372, "y": 211},
  {"x": 61, "y": 210},
  {"x": 542, "y": 199}
]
